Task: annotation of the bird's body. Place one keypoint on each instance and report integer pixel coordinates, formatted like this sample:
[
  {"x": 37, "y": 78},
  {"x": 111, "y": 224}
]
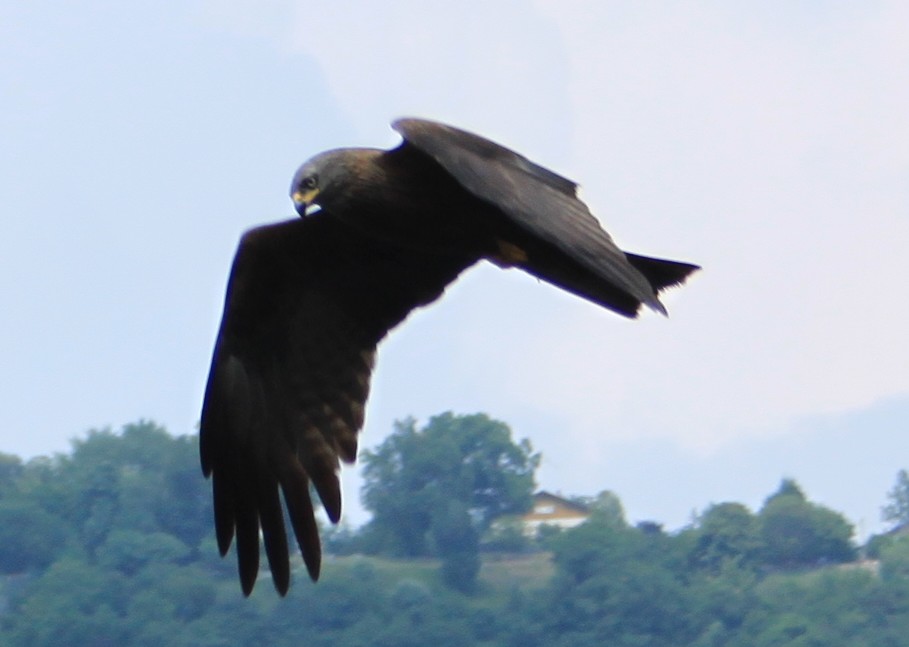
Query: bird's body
[
  {"x": 403, "y": 198},
  {"x": 309, "y": 300}
]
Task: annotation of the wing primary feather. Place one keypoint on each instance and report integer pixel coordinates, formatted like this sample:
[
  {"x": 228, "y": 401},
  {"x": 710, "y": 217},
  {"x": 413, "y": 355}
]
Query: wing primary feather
[
  {"x": 329, "y": 489},
  {"x": 247, "y": 521},
  {"x": 295, "y": 486},
  {"x": 274, "y": 536},
  {"x": 225, "y": 522},
  {"x": 320, "y": 463}
]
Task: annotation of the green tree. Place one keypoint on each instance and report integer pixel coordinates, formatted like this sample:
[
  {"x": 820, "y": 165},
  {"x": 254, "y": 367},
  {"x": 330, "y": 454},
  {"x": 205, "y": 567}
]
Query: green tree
[
  {"x": 617, "y": 586},
  {"x": 721, "y": 601},
  {"x": 895, "y": 562},
  {"x": 72, "y": 603},
  {"x": 796, "y": 533},
  {"x": 726, "y": 532},
  {"x": 788, "y": 487},
  {"x": 896, "y": 511},
  {"x": 507, "y": 535},
  {"x": 11, "y": 470},
  {"x": 456, "y": 541},
  {"x": 128, "y": 551},
  {"x": 30, "y": 537},
  {"x": 605, "y": 506},
  {"x": 830, "y": 607},
  {"x": 469, "y": 459},
  {"x": 141, "y": 479}
]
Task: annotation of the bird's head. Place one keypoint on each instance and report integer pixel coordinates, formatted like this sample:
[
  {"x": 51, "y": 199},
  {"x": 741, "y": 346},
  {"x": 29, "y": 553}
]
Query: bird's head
[{"x": 322, "y": 179}]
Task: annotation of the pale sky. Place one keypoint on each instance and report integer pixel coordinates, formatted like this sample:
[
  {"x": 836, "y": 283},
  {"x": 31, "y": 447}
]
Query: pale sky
[{"x": 768, "y": 142}]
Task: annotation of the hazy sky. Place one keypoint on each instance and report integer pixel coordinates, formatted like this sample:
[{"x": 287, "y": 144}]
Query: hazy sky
[{"x": 768, "y": 142}]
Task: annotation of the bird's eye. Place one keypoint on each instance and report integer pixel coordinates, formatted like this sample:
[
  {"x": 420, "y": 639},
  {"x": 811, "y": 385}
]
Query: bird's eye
[{"x": 310, "y": 182}]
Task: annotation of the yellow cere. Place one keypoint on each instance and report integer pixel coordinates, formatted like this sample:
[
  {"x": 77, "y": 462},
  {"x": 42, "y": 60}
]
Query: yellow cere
[{"x": 305, "y": 197}]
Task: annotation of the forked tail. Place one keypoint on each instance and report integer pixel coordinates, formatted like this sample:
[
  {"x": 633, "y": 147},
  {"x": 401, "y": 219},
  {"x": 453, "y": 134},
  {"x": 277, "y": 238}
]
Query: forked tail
[{"x": 661, "y": 273}]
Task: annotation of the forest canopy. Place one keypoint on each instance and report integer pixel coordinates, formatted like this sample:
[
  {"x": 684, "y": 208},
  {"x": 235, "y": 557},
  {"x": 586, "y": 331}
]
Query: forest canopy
[{"x": 112, "y": 544}]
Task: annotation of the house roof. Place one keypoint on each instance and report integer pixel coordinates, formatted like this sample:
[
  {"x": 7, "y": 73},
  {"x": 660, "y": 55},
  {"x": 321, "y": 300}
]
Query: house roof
[{"x": 565, "y": 503}]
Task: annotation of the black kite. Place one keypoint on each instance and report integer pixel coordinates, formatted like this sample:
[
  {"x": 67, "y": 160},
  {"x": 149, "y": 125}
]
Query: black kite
[{"x": 309, "y": 300}]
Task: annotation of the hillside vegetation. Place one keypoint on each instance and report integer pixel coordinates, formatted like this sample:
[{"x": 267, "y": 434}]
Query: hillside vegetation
[{"x": 112, "y": 544}]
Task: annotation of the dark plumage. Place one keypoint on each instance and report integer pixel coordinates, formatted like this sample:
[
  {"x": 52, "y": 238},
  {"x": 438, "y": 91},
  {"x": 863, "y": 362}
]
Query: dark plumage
[{"x": 309, "y": 299}]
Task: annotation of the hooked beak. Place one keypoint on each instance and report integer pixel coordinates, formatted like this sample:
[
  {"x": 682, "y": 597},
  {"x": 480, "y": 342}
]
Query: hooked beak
[{"x": 303, "y": 200}]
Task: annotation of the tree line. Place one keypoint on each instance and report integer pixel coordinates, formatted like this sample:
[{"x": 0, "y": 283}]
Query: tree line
[{"x": 111, "y": 544}]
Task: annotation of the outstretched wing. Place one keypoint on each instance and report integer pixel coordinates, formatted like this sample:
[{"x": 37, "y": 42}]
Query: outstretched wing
[
  {"x": 307, "y": 302},
  {"x": 566, "y": 245}
]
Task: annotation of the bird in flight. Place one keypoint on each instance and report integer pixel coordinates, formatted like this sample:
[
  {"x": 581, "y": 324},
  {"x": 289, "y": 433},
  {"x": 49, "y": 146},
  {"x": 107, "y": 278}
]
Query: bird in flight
[{"x": 308, "y": 300}]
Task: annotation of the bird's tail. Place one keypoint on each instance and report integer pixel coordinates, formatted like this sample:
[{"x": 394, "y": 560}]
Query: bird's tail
[
  {"x": 661, "y": 273},
  {"x": 624, "y": 289}
]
